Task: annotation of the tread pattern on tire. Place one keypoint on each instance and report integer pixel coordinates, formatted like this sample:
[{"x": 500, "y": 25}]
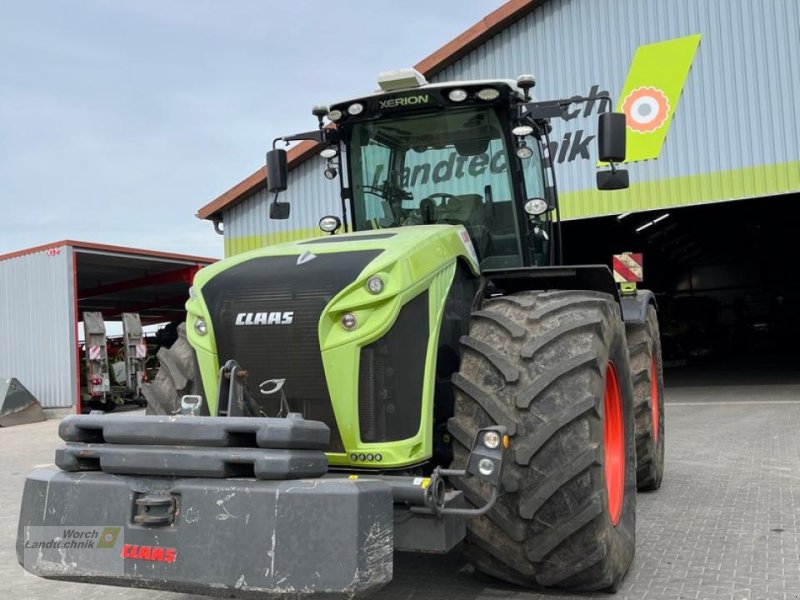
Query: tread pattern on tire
[
  {"x": 644, "y": 344},
  {"x": 178, "y": 375},
  {"x": 551, "y": 527}
]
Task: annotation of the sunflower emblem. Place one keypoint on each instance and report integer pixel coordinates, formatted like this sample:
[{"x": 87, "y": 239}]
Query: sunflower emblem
[{"x": 646, "y": 109}]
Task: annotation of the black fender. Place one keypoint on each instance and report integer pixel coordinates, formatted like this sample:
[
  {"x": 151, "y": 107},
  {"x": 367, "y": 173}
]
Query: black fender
[
  {"x": 597, "y": 278},
  {"x": 634, "y": 306},
  {"x": 575, "y": 277}
]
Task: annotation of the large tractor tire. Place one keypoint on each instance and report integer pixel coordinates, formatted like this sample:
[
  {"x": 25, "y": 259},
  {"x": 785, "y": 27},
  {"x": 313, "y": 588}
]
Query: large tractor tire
[
  {"x": 552, "y": 367},
  {"x": 178, "y": 375},
  {"x": 644, "y": 346}
]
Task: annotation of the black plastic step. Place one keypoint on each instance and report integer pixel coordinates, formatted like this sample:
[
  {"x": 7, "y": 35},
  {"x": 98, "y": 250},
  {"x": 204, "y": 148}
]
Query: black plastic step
[
  {"x": 171, "y": 461},
  {"x": 293, "y": 432}
]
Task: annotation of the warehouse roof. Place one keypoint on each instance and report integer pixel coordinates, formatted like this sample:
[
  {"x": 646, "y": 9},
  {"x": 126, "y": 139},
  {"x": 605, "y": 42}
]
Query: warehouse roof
[
  {"x": 116, "y": 279},
  {"x": 446, "y": 55},
  {"x": 109, "y": 248}
]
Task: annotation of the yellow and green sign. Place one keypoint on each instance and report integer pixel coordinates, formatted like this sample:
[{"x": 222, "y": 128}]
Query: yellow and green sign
[{"x": 651, "y": 93}]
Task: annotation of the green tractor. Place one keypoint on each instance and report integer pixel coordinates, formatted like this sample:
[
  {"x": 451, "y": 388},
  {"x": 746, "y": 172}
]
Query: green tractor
[{"x": 429, "y": 375}]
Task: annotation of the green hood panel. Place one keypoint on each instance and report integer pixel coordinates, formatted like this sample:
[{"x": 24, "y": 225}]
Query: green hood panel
[
  {"x": 421, "y": 245},
  {"x": 410, "y": 261}
]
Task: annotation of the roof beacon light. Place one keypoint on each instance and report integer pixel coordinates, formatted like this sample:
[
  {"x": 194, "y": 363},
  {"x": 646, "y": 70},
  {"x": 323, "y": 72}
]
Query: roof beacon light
[{"x": 401, "y": 79}]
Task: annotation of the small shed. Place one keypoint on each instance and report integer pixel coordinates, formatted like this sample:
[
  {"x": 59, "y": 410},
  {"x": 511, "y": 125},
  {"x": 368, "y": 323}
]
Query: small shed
[{"x": 45, "y": 290}]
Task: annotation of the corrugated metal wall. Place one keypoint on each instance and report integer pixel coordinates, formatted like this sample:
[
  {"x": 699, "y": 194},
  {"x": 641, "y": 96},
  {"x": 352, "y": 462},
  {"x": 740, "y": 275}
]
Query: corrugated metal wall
[
  {"x": 738, "y": 108},
  {"x": 37, "y": 333},
  {"x": 735, "y": 134},
  {"x": 248, "y": 226}
]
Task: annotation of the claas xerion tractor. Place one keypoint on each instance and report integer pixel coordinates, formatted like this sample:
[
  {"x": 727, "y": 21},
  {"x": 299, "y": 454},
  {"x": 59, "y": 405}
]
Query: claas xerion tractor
[{"x": 429, "y": 375}]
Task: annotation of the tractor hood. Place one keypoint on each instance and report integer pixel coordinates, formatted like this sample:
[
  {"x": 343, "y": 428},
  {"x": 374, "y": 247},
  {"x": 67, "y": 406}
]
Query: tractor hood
[
  {"x": 302, "y": 313},
  {"x": 413, "y": 243}
]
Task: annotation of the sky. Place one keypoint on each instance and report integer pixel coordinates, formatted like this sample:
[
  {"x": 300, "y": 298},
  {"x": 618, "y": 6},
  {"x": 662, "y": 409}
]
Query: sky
[{"x": 119, "y": 120}]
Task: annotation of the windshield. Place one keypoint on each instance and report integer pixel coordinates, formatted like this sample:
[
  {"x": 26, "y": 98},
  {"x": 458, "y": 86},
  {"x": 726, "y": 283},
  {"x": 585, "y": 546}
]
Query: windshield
[{"x": 448, "y": 167}]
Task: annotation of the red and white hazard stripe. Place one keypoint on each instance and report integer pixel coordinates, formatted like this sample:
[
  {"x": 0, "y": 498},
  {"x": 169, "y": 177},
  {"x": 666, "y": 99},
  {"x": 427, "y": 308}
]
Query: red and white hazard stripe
[
  {"x": 141, "y": 349},
  {"x": 95, "y": 352},
  {"x": 628, "y": 267}
]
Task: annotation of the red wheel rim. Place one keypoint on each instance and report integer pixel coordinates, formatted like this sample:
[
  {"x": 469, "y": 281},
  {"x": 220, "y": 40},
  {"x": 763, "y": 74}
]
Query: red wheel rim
[
  {"x": 654, "y": 396},
  {"x": 614, "y": 444}
]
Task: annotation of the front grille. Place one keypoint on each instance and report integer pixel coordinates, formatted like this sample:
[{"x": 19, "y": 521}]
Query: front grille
[
  {"x": 391, "y": 375},
  {"x": 277, "y": 284}
]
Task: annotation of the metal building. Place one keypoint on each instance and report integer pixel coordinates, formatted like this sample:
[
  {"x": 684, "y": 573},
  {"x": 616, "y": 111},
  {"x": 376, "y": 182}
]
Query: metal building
[
  {"x": 44, "y": 291},
  {"x": 709, "y": 89},
  {"x": 740, "y": 89}
]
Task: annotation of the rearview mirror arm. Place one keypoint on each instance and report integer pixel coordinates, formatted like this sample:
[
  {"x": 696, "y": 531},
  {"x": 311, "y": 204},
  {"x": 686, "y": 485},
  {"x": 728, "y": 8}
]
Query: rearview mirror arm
[
  {"x": 318, "y": 135},
  {"x": 557, "y": 109}
]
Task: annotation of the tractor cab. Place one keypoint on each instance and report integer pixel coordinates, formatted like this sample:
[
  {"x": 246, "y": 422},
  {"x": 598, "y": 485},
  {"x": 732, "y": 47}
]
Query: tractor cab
[
  {"x": 470, "y": 153},
  {"x": 447, "y": 162}
]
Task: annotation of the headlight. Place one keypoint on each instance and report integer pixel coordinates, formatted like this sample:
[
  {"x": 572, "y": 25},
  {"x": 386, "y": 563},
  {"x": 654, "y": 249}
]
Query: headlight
[
  {"x": 200, "y": 326},
  {"x": 349, "y": 321},
  {"x": 522, "y": 130},
  {"x": 524, "y": 152},
  {"x": 485, "y": 466},
  {"x": 488, "y": 94},
  {"x": 375, "y": 284},
  {"x": 491, "y": 439},
  {"x": 536, "y": 206},
  {"x": 457, "y": 95},
  {"x": 329, "y": 223}
]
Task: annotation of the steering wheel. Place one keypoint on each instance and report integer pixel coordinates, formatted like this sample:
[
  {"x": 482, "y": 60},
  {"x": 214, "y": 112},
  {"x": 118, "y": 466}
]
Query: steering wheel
[
  {"x": 427, "y": 206},
  {"x": 373, "y": 189},
  {"x": 395, "y": 197}
]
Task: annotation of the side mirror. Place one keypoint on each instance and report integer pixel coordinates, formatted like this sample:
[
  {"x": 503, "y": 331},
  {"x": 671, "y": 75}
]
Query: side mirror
[
  {"x": 611, "y": 137},
  {"x": 279, "y": 210},
  {"x": 613, "y": 180},
  {"x": 277, "y": 172}
]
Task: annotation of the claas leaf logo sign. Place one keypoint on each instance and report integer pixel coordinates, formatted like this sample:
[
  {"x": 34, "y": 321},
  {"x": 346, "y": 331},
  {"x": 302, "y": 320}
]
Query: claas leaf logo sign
[{"x": 651, "y": 93}]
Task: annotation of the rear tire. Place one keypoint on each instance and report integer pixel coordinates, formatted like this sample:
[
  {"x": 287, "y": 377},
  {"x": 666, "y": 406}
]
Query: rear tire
[
  {"x": 178, "y": 375},
  {"x": 644, "y": 345},
  {"x": 537, "y": 363}
]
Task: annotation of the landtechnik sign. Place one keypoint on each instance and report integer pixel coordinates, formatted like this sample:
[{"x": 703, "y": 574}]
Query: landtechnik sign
[
  {"x": 648, "y": 98},
  {"x": 93, "y": 549}
]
